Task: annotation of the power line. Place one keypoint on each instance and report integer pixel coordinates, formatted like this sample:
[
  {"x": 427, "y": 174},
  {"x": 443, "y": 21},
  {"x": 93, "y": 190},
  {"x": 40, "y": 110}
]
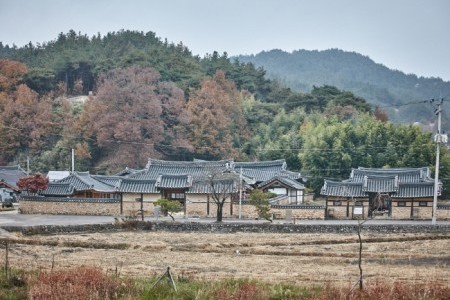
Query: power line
[{"x": 412, "y": 103}]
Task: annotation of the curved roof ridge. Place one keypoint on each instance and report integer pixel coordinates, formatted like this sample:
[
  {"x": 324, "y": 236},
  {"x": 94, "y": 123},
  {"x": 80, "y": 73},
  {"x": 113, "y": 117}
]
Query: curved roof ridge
[
  {"x": 261, "y": 163},
  {"x": 381, "y": 176},
  {"x": 391, "y": 170},
  {"x": 80, "y": 176},
  {"x": 152, "y": 162},
  {"x": 12, "y": 168}
]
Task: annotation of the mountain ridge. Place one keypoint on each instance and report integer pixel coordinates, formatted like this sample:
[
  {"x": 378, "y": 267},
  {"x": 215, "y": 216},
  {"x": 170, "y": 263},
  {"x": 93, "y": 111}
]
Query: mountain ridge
[{"x": 392, "y": 90}]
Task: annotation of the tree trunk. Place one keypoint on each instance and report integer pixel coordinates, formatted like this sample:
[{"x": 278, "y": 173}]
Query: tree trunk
[
  {"x": 219, "y": 212},
  {"x": 360, "y": 257}
]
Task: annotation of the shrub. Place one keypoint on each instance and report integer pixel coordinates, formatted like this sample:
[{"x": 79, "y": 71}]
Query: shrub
[{"x": 77, "y": 284}]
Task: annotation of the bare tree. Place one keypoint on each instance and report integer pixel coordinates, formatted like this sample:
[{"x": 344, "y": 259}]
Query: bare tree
[{"x": 222, "y": 186}]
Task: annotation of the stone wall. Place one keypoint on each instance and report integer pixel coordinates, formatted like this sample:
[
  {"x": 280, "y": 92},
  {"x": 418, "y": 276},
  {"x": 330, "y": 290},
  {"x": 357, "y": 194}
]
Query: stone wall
[
  {"x": 443, "y": 212},
  {"x": 231, "y": 228},
  {"x": 197, "y": 207},
  {"x": 131, "y": 204},
  {"x": 63, "y": 206},
  {"x": 344, "y": 209},
  {"x": 301, "y": 212},
  {"x": 401, "y": 213}
]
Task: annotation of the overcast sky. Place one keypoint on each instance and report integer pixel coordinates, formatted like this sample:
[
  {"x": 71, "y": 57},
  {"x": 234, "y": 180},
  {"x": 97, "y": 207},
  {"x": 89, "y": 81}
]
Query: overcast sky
[{"x": 412, "y": 36}]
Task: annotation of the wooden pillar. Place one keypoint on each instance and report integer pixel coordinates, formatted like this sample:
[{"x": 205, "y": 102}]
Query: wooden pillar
[
  {"x": 348, "y": 207},
  {"x": 184, "y": 204},
  {"x": 121, "y": 203}
]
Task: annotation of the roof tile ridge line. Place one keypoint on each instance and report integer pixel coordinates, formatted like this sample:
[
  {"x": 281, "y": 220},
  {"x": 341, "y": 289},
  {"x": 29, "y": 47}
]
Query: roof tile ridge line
[
  {"x": 118, "y": 184},
  {"x": 266, "y": 162},
  {"x": 13, "y": 167},
  {"x": 90, "y": 176},
  {"x": 81, "y": 179}
]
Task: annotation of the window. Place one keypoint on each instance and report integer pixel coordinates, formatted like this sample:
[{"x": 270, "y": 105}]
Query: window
[
  {"x": 423, "y": 203},
  {"x": 401, "y": 204},
  {"x": 178, "y": 196},
  {"x": 337, "y": 203}
]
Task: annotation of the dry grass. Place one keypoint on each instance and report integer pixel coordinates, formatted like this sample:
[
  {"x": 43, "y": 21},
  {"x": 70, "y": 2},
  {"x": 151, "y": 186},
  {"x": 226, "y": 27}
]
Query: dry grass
[
  {"x": 75, "y": 284},
  {"x": 307, "y": 259}
]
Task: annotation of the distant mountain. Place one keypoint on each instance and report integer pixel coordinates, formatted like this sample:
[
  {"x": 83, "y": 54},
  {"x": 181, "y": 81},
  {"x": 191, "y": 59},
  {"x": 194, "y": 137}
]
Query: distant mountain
[{"x": 392, "y": 90}]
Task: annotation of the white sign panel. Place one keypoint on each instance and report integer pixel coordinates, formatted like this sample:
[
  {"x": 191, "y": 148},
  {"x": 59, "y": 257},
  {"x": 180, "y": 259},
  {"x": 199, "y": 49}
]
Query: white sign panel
[{"x": 357, "y": 210}]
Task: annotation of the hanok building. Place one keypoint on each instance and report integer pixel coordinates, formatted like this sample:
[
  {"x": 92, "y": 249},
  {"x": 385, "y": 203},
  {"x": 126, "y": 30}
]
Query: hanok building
[
  {"x": 273, "y": 176},
  {"x": 9, "y": 176},
  {"x": 192, "y": 183},
  {"x": 402, "y": 193}
]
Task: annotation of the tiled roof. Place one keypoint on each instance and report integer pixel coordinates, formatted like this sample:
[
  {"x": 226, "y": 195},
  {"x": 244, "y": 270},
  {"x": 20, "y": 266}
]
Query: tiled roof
[
  {"x": 129, "y": 185},
  {"x": 11, "y": 174},
  {"x": 174, "y": 181},
  {"x": 227, "y": 182},
  {"x": 275, "y": 165},
  {"x": 285, "y": 181},
  {"x": 83, "y": 181},
  {"x": 12, "y": 168},
  {"x": 342, "y": 189},
  {"x": 58, "y": 189},
  {"x": 399, "y": 183},
  {"x": 109, "y": 180},
  {"x": 128, "y": 172},
  {"x": 265, "y": 170},
  {"x": 404, "y": 174},
  {"x": 380, "y": 184},
  {"x": 194, "y": 176},
  {"x": 416, "y": 190},
  {"x": 194, "y": 168}
]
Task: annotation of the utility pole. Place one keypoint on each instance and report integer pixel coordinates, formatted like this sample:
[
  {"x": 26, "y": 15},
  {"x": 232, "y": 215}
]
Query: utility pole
[
  {"x": 73, "y": 160},
  {"x": 438, "y": 138},
  {"x": 240, "y": 194}
]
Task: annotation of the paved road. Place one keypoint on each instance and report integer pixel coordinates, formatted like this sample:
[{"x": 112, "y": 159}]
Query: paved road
[{"x": 12, "y": 218}]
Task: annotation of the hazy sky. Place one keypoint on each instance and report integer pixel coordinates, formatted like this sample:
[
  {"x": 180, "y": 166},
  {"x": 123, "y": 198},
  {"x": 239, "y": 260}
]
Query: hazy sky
[{"x": 408, "y": 35}]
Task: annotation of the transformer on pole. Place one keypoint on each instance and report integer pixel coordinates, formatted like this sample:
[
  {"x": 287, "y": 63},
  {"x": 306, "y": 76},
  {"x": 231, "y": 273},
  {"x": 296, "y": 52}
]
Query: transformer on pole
[{"x": 438, "y": 138}]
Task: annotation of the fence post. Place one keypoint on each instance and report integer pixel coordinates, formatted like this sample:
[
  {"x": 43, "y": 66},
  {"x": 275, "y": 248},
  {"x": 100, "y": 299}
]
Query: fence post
[{"x": 6, "y": 260}]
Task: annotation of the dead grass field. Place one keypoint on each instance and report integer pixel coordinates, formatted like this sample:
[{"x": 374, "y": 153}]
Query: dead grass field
[{"x": 295, "y": 258}]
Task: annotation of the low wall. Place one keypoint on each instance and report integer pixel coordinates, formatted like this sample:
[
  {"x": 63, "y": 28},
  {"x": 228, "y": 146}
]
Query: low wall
[
  {"x": 130, "y": 207},
  {"x": 70, "y": 206},
  {"x": 443, "y": 212},
  {"x": 303, "y": 212},
  {"x": 232, "y": 228}
]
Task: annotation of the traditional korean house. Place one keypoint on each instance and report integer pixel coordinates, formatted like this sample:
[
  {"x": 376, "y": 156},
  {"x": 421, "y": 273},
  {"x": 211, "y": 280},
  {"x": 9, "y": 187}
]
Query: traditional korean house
[
  {"x": 401, "y": 193},
  {"x": 9, "y": 175},
  {"x": 184, "y": 181},
  {"x": 273, "y": 176},
  {"x": 79, "y": 193},
  {"x": 195, "y": 184}
]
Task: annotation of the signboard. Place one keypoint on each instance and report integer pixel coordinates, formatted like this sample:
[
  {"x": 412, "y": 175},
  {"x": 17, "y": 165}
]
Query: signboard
[{"x": 357, "y": 210}]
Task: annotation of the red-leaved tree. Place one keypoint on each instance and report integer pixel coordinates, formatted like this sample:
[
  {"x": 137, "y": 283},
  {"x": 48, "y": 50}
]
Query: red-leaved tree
[{"x": 33, "y": 184}]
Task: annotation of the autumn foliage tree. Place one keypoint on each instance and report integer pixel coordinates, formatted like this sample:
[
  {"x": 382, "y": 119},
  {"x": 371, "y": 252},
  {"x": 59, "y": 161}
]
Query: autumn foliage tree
[
  {"x": 33, "y": 184},
  {"x": 217, "y": 124},
  {"x": 11, "y": 73},
  {"x": 25, "y": 122},
  {"x": 133, "y": 116}
]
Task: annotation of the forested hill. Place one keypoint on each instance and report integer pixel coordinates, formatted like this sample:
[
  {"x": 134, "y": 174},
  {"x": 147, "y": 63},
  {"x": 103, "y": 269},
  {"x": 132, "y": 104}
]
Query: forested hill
[
  {"x": 154, "y": 99},
  {"x": 379, "y": 85}
]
